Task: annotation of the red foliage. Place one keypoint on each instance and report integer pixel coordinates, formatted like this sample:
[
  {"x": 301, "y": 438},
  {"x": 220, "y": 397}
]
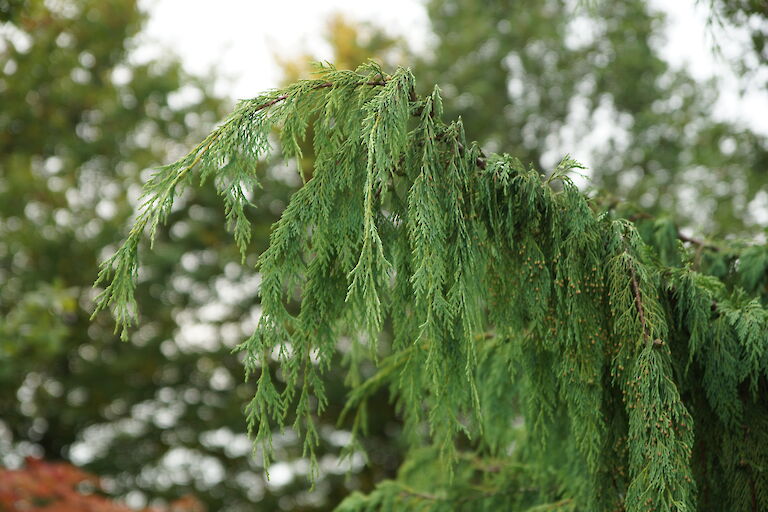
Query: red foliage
[{"x": 60, "y": 487}]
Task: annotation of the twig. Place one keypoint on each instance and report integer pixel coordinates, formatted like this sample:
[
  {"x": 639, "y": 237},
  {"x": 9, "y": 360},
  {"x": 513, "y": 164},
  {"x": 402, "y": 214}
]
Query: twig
[
  {"x": 323, "y": 85},
  {"x": 703, "y": 244},
  {"x": 639, "y": 305},
  {"x": 638, "y": 297}
]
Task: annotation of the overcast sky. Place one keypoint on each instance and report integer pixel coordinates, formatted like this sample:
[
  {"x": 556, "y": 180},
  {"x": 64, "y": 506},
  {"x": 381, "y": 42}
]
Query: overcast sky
[{"x": 238, "y": 39}]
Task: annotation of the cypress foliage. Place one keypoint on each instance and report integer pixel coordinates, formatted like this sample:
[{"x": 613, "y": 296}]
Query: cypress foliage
[{"x": 545, "y": 353}]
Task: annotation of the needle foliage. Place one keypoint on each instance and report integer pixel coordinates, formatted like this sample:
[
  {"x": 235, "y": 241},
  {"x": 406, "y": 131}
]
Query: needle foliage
[{"x": 544, "y": 353}]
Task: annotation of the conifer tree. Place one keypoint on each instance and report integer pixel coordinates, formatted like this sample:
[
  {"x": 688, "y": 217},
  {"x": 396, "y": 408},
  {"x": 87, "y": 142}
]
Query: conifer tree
[{"x": 544, "y": 352}]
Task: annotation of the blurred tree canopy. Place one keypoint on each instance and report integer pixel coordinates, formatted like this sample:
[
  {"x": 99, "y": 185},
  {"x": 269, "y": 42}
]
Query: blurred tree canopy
[
  {"x": 535, "y": 78},
  {"x": 81, "y": 123},
  {"x": 751, "y": 15}
]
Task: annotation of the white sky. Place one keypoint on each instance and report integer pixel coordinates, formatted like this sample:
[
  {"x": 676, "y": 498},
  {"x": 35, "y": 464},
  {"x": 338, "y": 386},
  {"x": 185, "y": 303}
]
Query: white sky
[
  {"x": 240, "y": 37},
  {"x": 237, "y": 40}
]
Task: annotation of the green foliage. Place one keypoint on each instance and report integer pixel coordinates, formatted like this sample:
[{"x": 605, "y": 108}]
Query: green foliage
[{"x": 543, "y": 354}]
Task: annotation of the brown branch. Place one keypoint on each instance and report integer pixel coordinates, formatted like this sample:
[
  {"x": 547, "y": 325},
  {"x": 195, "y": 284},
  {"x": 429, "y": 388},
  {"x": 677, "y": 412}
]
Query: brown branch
[
  {"x": 639, "y": 306},
  {"x": 634, "y": 216},
  {"x": 703, "y": 244},
  {"x": 323, "y": 85},
  {"x": 638, "y": 299},
  {"x": 421, "y": 495}
]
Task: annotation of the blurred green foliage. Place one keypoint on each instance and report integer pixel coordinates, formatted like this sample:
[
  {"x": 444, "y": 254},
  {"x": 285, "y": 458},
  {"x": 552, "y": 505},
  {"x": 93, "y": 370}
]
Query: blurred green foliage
[
  {"x": 540, "y": 78},
  {"x": 751, "y": 15},
  {"x": 81, "y": 125}
]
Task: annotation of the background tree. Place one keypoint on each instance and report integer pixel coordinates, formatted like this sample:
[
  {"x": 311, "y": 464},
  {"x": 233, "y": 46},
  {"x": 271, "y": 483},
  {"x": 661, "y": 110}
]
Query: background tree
[
  {"x": 80, "y": 122},
  {"x": 537, "y": 78},
  {"x": 162, "y": 414},
  {"x": 751, "y": 15}
]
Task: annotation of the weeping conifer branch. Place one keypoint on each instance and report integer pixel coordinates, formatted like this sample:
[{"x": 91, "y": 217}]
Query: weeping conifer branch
[{"x": 503, "y": 312}]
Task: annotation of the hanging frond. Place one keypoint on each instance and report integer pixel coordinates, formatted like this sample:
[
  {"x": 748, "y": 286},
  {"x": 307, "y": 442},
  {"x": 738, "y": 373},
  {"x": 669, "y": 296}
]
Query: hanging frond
[{"x": 542, "y": 354}]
